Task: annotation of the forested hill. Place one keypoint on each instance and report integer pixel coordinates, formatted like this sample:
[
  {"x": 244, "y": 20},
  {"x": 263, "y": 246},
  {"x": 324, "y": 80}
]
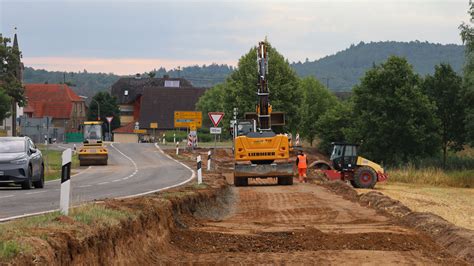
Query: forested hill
[
  {"x": 341, "y": 70},
  {"x": 344, "y": 69},
  {"x": 87, "y": 84}
]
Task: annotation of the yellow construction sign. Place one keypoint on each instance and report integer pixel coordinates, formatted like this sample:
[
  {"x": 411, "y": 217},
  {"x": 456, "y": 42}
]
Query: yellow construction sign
[
  {"x": 187, "y": 119},
  {"x": 153, "y": 125}
]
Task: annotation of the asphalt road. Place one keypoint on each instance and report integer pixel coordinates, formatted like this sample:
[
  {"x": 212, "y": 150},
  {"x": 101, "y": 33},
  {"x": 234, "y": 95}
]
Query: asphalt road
[{"x": 133, "y": 169}]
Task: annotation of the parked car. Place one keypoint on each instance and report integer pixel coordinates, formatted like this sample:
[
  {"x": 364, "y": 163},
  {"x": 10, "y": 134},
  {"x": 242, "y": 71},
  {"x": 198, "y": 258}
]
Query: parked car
[{"x": 21, "y": 162}]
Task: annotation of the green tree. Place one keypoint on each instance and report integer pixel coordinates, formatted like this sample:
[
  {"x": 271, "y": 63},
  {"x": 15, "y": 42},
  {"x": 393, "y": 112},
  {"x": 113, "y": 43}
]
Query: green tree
[
  {"x": 241, "y": 86},
  {"x": 393, "y": 118},
  {"x": 317, "y": 99},
  {"x": 213, "y": 101},
  {"x": 467, "y": 36},
  {"x": 445, "y": 89},
  {"x": 10, "y": 73},
  {"x": 4, "y": 104},
  {"x": 333, "y": 124},
  {"x": 108, "y": 107}
]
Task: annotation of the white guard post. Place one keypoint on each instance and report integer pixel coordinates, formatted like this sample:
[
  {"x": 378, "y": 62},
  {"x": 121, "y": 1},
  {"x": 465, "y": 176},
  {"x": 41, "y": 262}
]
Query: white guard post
[
  {"x": 199, "y": 170},
  {"x": 65, "y": 182},
  {"x": 209, "y": 160},
  {"x": 177, "y": 148}
]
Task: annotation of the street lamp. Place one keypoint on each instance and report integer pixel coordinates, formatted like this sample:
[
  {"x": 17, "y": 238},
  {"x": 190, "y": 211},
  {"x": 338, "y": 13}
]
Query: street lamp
[{"x": 98, "y": 105}]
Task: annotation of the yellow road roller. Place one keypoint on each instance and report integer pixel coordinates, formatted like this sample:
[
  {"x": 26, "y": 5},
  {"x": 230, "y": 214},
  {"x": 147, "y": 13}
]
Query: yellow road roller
[{"x": 93, "y": 150}]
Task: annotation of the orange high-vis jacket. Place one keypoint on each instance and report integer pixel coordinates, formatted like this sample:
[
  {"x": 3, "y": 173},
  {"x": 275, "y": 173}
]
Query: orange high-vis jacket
[{"x": 302, "y": 161}]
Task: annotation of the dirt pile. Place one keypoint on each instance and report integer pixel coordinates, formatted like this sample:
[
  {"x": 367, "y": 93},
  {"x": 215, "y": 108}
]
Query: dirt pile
[{"x": 458, "y": 241}]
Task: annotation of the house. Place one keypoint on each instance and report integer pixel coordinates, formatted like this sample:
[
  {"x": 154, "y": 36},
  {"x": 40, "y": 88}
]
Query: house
[
  {"x": 59, "y": 102},
  {"x": 143, "y": 101}
]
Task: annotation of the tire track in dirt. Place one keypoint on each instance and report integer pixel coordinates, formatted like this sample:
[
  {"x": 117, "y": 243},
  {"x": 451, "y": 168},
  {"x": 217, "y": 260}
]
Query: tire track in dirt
[{"x": 303, "y": 223}]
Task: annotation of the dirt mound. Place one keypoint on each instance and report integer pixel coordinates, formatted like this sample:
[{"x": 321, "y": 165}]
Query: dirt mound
[{"x": 458, "y": 241}]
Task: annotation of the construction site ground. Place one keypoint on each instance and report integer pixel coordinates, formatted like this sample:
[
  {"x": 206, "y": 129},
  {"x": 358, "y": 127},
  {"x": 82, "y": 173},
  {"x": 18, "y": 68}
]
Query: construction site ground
[
  {"x": 217, "y": 223},
  {"x": 302, "y": 224}
]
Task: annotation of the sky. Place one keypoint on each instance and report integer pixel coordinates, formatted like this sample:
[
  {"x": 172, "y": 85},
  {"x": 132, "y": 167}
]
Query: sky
[{"x": 127, "y": 37}]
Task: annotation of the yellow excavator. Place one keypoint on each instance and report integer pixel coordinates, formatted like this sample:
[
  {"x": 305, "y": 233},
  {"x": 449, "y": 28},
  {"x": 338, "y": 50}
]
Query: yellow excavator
[
  {"x": 258, "y": 151},
  {"x": 93, "y": 150}
]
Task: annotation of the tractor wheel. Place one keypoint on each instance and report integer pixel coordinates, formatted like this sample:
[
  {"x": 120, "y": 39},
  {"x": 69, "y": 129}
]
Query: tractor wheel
[
  {"x": 364, "y": 177},
  {"x": 240, "y": 181}
]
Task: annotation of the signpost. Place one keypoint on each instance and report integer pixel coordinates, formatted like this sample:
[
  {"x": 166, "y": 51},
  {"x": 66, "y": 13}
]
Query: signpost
[
  {"x": 184, "y": 119},
  {"x": 109, "y": 119},
  {"x": 216, "y": 118},
  {"x": 154, "y": 126}
]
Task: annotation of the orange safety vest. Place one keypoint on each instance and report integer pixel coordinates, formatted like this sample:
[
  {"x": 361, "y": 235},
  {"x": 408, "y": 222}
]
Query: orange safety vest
[{"x": 302, "y": 161}]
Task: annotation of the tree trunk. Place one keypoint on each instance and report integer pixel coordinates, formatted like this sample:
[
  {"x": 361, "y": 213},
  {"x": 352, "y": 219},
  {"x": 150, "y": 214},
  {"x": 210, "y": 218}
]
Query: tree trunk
[
  {"x": 445, "y": 148},
  {"x": 13, "y": 118}
]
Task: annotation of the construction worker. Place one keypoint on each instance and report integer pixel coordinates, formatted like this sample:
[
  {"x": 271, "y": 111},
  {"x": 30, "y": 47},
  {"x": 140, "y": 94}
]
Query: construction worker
[{"x": 302, "y": 164}]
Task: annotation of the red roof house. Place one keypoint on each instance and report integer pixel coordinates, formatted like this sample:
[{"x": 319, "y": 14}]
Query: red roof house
[{"x": 58, "y": 101}]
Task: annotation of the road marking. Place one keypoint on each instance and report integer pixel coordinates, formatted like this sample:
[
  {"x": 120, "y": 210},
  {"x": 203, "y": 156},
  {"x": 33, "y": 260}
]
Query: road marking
[
  {"x": 37, "y": 192},
  {"x": 7, "y": 196},
  {"x": 193, "y": 175},
  {"x": 130, "y": 159},
  {"x": 103, "y": 183},
  {"x": 81, "y": 172},
  {"x": 86, "y": 186},
  {"x": 116, "y": 180}
]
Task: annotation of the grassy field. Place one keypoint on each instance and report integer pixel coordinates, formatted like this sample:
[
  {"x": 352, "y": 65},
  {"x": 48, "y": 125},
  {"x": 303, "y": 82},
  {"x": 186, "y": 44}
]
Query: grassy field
[
  {"x": 53, "y": 163},
  {"x": 451, "y": 203},
  {"x": 433, "y": 176}
]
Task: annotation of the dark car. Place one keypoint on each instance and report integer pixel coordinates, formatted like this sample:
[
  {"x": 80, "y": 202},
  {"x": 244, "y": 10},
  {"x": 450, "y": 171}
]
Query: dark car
[{"x": 21, "y": 162}]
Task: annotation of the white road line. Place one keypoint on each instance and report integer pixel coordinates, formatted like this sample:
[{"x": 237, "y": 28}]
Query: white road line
[
  {"x": 130, "y": 159},
  {"x": 117, "y": 180},
  {"x": 7, "y": 196},
  {"x": 103, "y": 183},
  {"x": 193, "y": 175},
  {"x": 86, "y": 186},
  {"x": 37, "y": 192},
  {"x": 59, "y": 179}
]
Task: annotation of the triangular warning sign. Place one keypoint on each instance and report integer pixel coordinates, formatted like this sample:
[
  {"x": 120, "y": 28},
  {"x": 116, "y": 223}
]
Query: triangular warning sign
[{"x": 216, "y": 117}]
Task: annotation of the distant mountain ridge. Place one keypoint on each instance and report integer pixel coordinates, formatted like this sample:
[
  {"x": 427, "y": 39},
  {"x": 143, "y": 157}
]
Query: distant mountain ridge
[
  {"x": 340, "y": 71},
  {"x": 344, "y": 69}
]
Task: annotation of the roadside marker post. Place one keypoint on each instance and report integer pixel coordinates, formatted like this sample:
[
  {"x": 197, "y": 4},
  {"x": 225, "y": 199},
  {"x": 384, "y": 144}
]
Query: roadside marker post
[
  {"x": 65, "y": 194},
  {"x": 297, "y": 139},
  {"x": 174, "y": 137},
  {"x": 177, "y": 148},
  {"x": 209, "y": 160},
  {"x": 199, "y": 170},
  {"x": 164, "y": 139}
]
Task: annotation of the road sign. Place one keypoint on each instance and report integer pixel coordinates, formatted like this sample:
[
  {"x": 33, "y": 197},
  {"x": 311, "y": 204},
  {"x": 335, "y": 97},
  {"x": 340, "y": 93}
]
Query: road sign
[
  {"x": 137, "y": 125},
  {"x": 215, "y": 117},
  {"x": 153, "y": 125},
  {"x": 109, "y": 118},
  {"x": 185, "y": 119},
  {"x": 192, "y": 127},
  {"x": 139, "y": 131},
  {"x": 215, "y": 130}
]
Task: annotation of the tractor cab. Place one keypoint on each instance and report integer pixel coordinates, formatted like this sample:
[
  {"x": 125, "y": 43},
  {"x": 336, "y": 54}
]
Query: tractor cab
[{"x": 344, "y": 156}]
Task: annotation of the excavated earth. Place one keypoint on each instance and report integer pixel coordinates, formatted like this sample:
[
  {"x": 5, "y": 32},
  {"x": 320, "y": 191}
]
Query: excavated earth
[{"x": 312, "y": 223}]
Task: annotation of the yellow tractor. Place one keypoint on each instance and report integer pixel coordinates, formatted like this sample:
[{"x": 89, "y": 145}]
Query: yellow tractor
[
  {"x": 258, "y": 151},
  {"x": 346, "y": 165},
  {"x": 93, "y": 150}
]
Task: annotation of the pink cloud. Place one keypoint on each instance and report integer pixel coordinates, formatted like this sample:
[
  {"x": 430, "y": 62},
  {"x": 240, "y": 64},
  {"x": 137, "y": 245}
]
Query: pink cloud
[{"x": 121, "y": 66}]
